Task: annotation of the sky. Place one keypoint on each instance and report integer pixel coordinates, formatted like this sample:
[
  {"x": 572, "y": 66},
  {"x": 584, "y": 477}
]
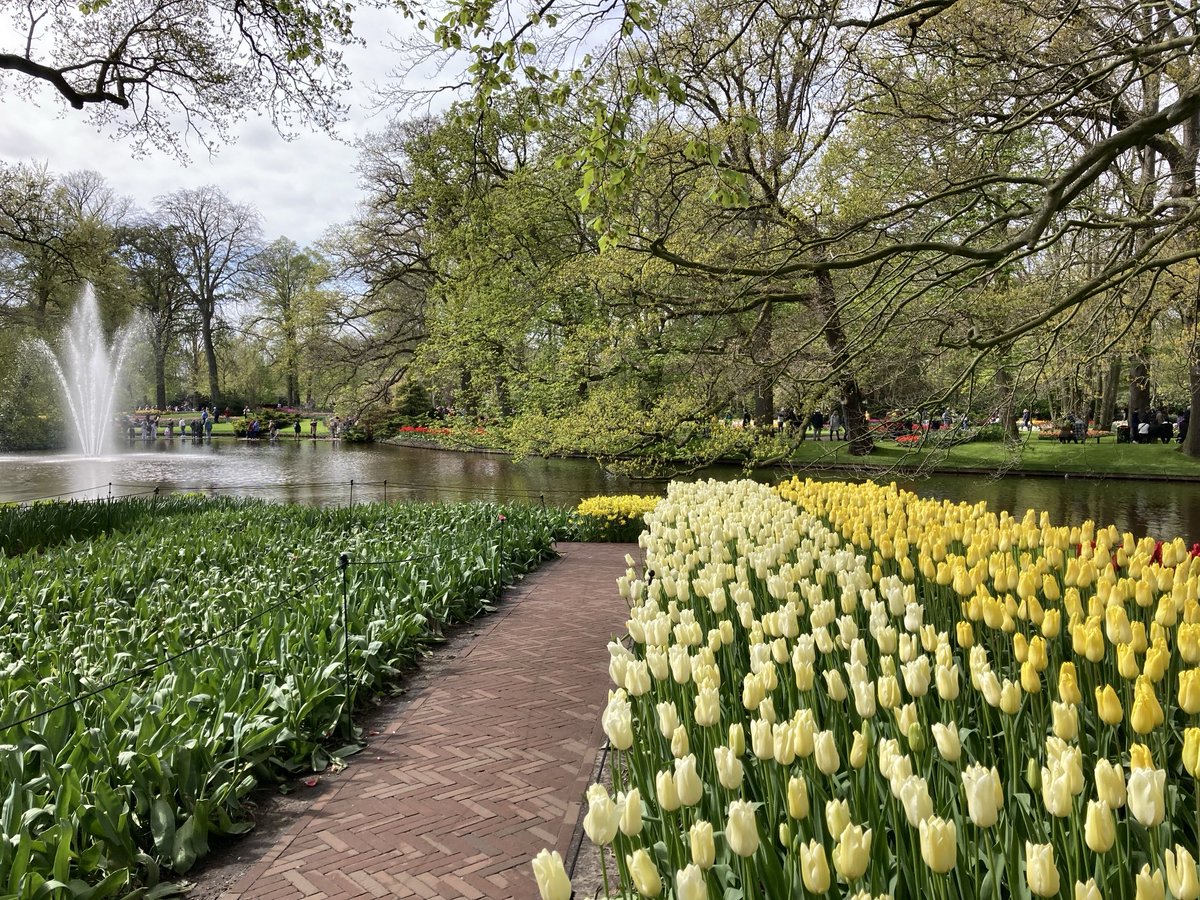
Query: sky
[{"x": 301, "y": 187}]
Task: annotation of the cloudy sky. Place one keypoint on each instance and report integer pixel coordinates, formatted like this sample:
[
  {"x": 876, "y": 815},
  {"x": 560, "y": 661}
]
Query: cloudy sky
[{"x": 300, "y": 186}]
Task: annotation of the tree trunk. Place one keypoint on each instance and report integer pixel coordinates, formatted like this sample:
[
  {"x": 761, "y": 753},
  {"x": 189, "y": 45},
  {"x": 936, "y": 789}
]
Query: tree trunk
[
  {"x": 1139, "y": 384},
  {"x": 1191, "y": 444},
  {"x": 1108, "y": 396},
  {"x": 1007, "y": 410},
  {"x": 293, "y": 388},
  {"x": 857, "y": 428},
  {"x": 764, "y": 385},
  {"x": 160, "y": 380},
  {"x": 210, "y": 353}
]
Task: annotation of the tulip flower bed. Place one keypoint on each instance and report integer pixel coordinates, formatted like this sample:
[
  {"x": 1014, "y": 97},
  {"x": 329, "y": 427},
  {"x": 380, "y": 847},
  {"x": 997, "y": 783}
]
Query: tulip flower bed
[
  {"x": 612, "y": 519},
  {"x": 168, "y": 668},
  {"x": 836, "y": 690}
]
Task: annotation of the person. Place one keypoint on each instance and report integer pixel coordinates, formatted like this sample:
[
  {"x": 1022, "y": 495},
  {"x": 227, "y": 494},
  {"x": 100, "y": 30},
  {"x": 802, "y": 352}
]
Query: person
[
  {"x": 1135, "y": 423},
  {"x": 312, "y": 428},
  {"x": 1026, "y": 419},
  {"x": 1080, "y": 430},
  {"x": 208, "y": 424},
  {"x": 835, "y": 424},
  {"x": 296, "y": 429},
  {"x": 272, "y": 431},
  {"x": 170, "y": 429},
  {"x": 817, "y": 420}
]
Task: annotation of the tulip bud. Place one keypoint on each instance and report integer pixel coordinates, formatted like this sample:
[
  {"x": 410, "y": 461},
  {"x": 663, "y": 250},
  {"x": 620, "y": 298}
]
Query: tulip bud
[
  {"x": 1068, "y": 687},
  {"x": 814, "y": 869},
  {"x": 938, "y": 844},
  {"x": 1110, "y": 784},
  {"x": 947, "y": 740},
  {"x": 1191, "y": 751},
  {"x": 741, "y": 828},
  {"x": 1040, "y": 872},
  {"x": 1010, "y": 696},
  {"x": 837, "y": 816},
  {"x": 1100, "y": 828},
  {"x": 797, "y": 798},
  {"x": 729, "y": 768},
  {"x": 826, "y": 753},
  {"x": 1108, "y": 705},
  {"x": 858, "y": 751},
  {"x": 700, "y": 841},
  {"x": 1140, "y": 757},
  {"x": 551, "y": 877},
  {"x": 642, "y": 870},
  {"x": 1189, "y": 691},
  {"x": 680, "y": 745},
  {"x": 1066, "y": 720},
  {"x": 687, "y": 781},
  {"x": 1087, "y": 890},
  {"x": 737, "y": 739},
  {"x": 630, "y": 806}
]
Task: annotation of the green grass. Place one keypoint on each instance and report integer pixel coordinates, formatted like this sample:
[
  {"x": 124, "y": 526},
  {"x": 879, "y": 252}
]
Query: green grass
[{"x": 1106, "y": 458}]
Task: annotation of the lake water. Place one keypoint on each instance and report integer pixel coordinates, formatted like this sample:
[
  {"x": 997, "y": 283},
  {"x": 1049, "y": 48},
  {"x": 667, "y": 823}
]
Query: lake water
[{"x": 321, "y": 472}]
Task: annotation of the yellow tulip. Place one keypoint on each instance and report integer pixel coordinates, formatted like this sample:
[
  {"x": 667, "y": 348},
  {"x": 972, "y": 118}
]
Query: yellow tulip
[
  {"x": 859, "y": 749},
  {"x": 1158, "y": 659},
  {"x": 852, "y": 852},
  {"x": 1191, "y": 751},
  {"x": 642, "y": 870},
  {"x": 1140, "y": 757},
  {"x": 797, "y": 798},
  {"x": 690, "y": 885},
  {"x": 737, "y": 739},
  {"x": 983, "y": 802},
  {"x": 1146, "y": 795},
  {"x": 687, "y": 781},
  {"x": 966, "y": 635},
  {"x": 1010, "y": 696},
  {"x": 837, "y": 816},
  {"x": 702, "y": 845},
  {"x": 826, "y": 753},
  {"x": 1100, "y": 828},
  {"x": 1065, "y": 718},
  {"x": 1087, "y": 890},
  {"x": 1031, "y": 681},
  {"x": 1040, "y": 872},
  {"x": 551, "y": 877},
  {"x": 1068, "y": 687},
  {"x": 939, "y": 846},
  {"x": 814, "y": 868},
  {"x": 1189, "y": 691},
  {"x": 1108, "y": 705},
  {"x": 1148, "y": 885},
  {"x": 741, "y": 828},
  {"x": 1020, "y": 647},
  {"x": 1051, "y": 625},
  {"x": 1182, "y": 876},
  {"x": 1110, "y": 784},
  {"x": 630, "y": 806},
  {"x": 1127, "y": 665}
]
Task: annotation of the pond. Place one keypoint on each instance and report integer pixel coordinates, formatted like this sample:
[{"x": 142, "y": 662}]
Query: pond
[{"x": 321, "y": 473}]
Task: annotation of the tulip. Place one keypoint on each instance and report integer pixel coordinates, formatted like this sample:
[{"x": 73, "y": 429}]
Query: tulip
[
  {"x": 642, "y": 870},
  {"x": 887, "y": 688},
  {"x": 1087, "y": 890},
  {"x": 826, "y": 753},
  {"x": 1182, "y": 877},
  {"x": 729, "y": 768},
  {"x": 551, "y": 877},
  {"x": 938, "y": 844},
  {"x": 1146, "y": 796},
  {"x": 859, "y": 749},
  {"x": 1146, "y": 714},
  {"x": 946, "y": 678},
  {"x": 1110, "y": 784},
  {"x": 1056, "y": 791},
  {"x": 1189, "y": 691},
  {"x": 737, "y": 739},
  {"x": 853, "y": 852},
  {"x": 783, "y": 744},
  {"x": 702, "y": 845},
  {"x": 797, "y": 798},
  {"x": 1149, "y": 886},
  {"x": 837, "y": 816},
  {"x": 680, "y": 745},
  {"x": 835, "y": 687},
  {"x": 1040, "y": 872},
  {"x": 666, "y": 792},
  {"x": 864, "y": 698},
  {"x": 982, "y": 805},
  {"x": 1068, "y": 687},
  {"x": 687, "y": 781},
  {"x": 708, "y": 707},
  {"x": 1100, "y": 828},
  {"x": 1108, "y": 705},
  {"x": 1140, "y": 757},
  {"x": 814, "y": 869},
  {"x": 914, "y": 797},
  {"x": 741, "y": 828},
  {"x": 1065, "y": 719},
  {"x": 689, "y": 884},
  {"x": 617, "y": 721},
  {"x": 762, "y": 740},
  {"x": 630, "y": 806},
  {"x": 1010, "y": 697},
  {"x": 1191, "y": 751},
  {"x": 668, "y": 719},
  {"x": 602, "y": 817}
]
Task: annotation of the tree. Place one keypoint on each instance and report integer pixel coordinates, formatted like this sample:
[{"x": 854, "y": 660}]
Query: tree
[
  {"x": 166, "y": 70},
  {"x": 153, "y": 256},
  {"x": 218, "y": 238},
  {"x": 286, "y": 285}
]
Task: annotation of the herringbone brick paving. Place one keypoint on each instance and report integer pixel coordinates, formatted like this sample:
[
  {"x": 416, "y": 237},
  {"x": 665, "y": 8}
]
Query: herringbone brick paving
[{"x": 480, "y": 768}]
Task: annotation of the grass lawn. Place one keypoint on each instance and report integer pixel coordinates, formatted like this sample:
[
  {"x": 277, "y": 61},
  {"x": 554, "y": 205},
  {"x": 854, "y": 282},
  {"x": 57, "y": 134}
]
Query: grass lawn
[
  {"x": 225, "y": 429},
  {"x": 1106, "y": 458}
]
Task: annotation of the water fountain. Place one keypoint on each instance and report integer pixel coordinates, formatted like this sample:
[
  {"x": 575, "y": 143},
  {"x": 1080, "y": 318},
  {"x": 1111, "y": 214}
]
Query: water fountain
[{"x": 87, "y": 370}]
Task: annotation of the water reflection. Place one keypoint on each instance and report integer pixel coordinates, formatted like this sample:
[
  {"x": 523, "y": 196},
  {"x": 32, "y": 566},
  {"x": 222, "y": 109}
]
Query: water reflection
[{"x": 320, "y": 473}]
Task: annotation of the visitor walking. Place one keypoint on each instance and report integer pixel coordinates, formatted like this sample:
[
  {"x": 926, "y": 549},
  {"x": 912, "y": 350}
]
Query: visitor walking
[
  {"x": 1027, "y": 420},
  {"x": 208, "y": 424},
  {"x": 312, "y": 428},
  {"x": 817, "y": 420},
  {"x": 296, "y": 429},
  {"x": 835, "y": 425}
]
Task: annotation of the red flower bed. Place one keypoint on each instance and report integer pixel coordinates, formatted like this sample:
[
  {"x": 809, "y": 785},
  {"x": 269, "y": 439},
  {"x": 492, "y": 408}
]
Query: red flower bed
[{"x": 422, "y": 429}]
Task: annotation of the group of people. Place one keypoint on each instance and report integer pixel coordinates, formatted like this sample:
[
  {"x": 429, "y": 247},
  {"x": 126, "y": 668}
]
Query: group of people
[
  {"x": 787, "y": 419},
  {"x": 1148, "y": 426},
  {"x": 149, "y": 425}
]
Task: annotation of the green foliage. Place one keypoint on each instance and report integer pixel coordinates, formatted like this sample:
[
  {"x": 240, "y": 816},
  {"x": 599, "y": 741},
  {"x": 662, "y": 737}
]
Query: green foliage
[{"x": 128, "y": 784}]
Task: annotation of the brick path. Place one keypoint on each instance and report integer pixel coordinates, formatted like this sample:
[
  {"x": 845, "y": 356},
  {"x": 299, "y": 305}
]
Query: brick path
[{"x": 479, "y": 768}]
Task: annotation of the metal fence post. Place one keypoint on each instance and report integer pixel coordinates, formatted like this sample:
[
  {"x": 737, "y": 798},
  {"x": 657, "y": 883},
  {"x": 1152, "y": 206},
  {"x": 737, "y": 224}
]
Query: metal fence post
[{"x": 344, "y": 565}]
